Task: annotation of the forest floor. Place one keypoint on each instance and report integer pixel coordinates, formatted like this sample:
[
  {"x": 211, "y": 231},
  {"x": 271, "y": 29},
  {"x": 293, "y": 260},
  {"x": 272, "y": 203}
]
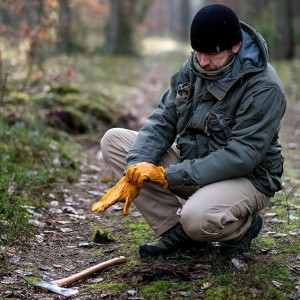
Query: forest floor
[{"x": 63, "y": 242}]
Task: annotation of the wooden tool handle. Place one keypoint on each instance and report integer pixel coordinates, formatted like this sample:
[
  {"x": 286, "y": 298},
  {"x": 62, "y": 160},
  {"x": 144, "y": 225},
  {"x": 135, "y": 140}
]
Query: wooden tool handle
[{"x": 89, "y": 271}]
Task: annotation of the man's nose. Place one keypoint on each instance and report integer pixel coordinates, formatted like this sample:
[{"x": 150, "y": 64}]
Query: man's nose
[{"x": 203, "y": 59}]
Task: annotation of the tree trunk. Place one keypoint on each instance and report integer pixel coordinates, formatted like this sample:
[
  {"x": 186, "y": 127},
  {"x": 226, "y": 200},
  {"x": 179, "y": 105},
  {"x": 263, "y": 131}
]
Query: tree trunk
[
  {"x": 113, "y": 27},
  {"x": 179, "y": 19},
  {"x": 284, "y": 41},
  {"x": 184, "y": 21},
  {"x": 124, "y": 16},
  {"x": 64, "y": 43},
  {"x": 5, "y": 16}
]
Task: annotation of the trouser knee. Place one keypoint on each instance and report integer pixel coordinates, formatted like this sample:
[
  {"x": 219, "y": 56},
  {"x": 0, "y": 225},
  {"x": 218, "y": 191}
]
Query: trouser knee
[
  {"x": 214, "y": 224},
  {"x": 115, "y": 143},
  {"x": 200, "y": 226},
  {"x": 106, "y": 142}
]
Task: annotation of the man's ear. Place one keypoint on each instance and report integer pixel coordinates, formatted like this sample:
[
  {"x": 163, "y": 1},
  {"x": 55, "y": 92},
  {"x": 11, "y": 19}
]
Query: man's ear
[{"x": 236, "y": 47}]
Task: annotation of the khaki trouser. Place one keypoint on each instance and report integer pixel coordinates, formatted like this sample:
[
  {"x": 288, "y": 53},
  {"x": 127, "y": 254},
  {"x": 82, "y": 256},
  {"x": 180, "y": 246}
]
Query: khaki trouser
[{"x": 220, "y": 211}]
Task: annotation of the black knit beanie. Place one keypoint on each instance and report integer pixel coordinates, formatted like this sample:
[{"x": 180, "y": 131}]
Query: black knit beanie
[{"x": 215, "y": 28}]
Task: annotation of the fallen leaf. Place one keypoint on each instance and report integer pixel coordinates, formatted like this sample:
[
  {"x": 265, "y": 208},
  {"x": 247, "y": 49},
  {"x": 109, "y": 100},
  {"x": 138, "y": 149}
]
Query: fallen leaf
[
  {"x": 65, "y": 230},
  {"x": 105, "y": 179},
  {"x": 279, "y": 235},
  {"x": 69, "y": 210},
  {"x": 96, "y": 280},
  {"x": 131, "y": 292},
  {"x": 294, "y": 269},
  {"x": 54, "y": 210},
  {"x": 254, "y": 292},
  {"x": 36, "y": 223},
  {"x": 11, "y": 188},
  {"x": 23, "y": 272},
  {"x": 27, "y": 206},
  {"x": 76, "y": 216},
  {"x": 40, "y": 238},
  {"x": 34, "y": 213},
  {"x": 265, "y": 251},
  {"x": 268, "y": 215},
  {"x": 69, "y": 200},
  {"x": 86, "y": 245},
  {"x": 239, "y": 264},
  {"x": 96, "y": 193},
  {"x": 54, "y": 203},
  {"x": 9, "y": 280},
  {"x": 116, "y": 207},
  {"x": 94, "y": 168},
  {"x": 63, "y": 222},
  {"x": 135, "y": 214},
  {"x": 275, "y": 220},
  {"x": 44, "y": 268},
  {"x": 39, "y": 190},
  {"x": 270, "y": 232},
  {"x": 294, "y": 231},
  {"x": 297, "y": 296},
  {"x": 15, "y": 259},
  {"x": 277, "y": 283},
  {"x": 206, "y": 285},
  {"x": 71, "y": 246},
  {"x": 137, "y": 279}
]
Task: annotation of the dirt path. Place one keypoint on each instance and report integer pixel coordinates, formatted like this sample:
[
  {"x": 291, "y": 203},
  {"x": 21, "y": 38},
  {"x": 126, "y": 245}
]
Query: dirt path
[{"x": 62, "y": 245}]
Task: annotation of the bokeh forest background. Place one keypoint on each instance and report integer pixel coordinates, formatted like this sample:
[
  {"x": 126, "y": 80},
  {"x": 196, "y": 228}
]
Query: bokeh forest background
[
  {"x": 34, "y": 31},
  {"x": 71, "y": 69}
]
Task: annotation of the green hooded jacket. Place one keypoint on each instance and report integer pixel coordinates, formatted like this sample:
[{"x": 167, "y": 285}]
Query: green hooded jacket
[{"x": 224, "y": 128}]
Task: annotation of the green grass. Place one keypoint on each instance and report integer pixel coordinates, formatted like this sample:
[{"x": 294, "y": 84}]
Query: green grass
[{"x": 33, "y": 159}]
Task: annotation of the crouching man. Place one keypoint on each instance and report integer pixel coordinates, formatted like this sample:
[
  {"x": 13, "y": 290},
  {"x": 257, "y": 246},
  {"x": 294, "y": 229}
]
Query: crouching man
[{"x": 213, "y": 141}]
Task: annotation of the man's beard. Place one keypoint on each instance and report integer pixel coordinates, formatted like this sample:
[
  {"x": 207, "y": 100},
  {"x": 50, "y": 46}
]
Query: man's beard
[
  {"x": 215, "y": 73},
  {"x": 229, "y": 59}
]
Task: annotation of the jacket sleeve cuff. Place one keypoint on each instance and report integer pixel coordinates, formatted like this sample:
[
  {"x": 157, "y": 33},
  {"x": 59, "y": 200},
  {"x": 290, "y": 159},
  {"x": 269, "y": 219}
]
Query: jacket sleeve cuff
[
  {"x": 174, "y": 178},
  {"x": 178, "y": 177}
]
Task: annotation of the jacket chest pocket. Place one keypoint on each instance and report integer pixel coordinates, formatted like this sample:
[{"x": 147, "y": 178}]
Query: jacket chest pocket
[
  {"x": 183, "y": 102},
  {"x": 218, "y": 125}
]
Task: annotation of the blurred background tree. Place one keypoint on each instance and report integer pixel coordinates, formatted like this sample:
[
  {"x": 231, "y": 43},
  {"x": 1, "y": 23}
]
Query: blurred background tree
[
  {"x": 39, "y": 29},
  {"x": 117, "y": 25},
  {"x": 64, "y": 36}
]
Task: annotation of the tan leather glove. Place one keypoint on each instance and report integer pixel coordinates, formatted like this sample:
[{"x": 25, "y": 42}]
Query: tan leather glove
[
  {"x": 140, "y": 172},
  {"x": 123, "y": 191}
]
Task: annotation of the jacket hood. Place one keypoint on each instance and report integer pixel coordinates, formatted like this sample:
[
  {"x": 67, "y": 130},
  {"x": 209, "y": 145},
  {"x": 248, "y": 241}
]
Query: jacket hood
[{"x": 253, "y": 54}]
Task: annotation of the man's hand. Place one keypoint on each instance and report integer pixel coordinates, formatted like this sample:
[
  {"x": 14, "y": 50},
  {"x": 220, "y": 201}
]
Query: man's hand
[
  {"x": 138, "y": 173},
  {"x": 123, "y": 191}
]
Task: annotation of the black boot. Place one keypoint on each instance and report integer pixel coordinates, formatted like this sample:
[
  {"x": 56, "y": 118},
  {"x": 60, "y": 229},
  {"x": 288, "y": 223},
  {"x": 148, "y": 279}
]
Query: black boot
[
  {"x": 172, "y": 240},
  {"x": 244, "y": 244}
]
